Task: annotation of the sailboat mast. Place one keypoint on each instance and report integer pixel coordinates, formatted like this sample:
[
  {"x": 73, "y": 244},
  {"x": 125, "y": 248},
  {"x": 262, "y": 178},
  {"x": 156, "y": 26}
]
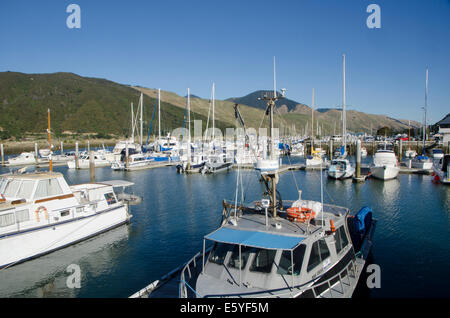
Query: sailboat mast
[
  {"x": 159, "y": 113},
  {"x": 312, "y": 122},
  {"x": 132, "y": 122},
  {"x": 344, "y": 121},
  {"x": 141, "y": 122},
  {"x": 189, "y": 126},
  {"x": 425, "y": 113},
  {"x": 213, "y": 108},
  {"x": 49, "y": 143}
]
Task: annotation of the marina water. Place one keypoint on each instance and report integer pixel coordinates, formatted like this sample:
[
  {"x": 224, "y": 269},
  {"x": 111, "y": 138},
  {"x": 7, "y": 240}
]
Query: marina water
[{"x": 411, "y": 242}]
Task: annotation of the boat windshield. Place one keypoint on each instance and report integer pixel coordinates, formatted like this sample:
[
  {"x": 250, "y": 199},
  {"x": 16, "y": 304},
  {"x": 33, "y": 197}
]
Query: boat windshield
[
  {"x": 285, "y": 266},
  {"x": 219, "y": 252},
  {"x": 3, "y": 183}
]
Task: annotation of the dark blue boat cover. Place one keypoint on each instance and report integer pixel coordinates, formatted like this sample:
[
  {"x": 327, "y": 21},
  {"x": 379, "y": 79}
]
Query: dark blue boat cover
[{"x": 363, "y": 219}]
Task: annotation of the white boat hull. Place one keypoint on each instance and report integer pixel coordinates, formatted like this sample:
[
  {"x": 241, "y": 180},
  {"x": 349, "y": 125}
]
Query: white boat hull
[
  {"x": 266, "y": 165},
  {"x": 20, "y": 247},
  {"x": 84, "y": 164},
  {"x": 384, "y": 172},
  {"x": 427, "y": 165}
]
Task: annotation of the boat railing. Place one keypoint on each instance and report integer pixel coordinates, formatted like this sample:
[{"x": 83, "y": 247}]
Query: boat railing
[
  {"x": 343, "y": 279},
  {"x": 191, "y": 269}
]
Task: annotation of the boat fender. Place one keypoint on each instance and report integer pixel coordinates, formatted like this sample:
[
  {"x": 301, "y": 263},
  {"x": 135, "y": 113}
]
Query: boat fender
[{"x": 38, "y": 210}]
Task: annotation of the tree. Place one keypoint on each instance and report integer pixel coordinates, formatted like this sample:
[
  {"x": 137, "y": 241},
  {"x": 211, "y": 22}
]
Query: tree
[{"x": 384, "y": 131}]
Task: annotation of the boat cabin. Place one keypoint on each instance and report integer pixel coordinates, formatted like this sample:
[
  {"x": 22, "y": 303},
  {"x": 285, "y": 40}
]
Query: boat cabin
[{"x": 251, "y": 259}]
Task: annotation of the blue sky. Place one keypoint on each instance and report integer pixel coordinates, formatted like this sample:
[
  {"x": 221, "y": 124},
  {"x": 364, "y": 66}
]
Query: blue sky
[{"x": 174, "y": 45}]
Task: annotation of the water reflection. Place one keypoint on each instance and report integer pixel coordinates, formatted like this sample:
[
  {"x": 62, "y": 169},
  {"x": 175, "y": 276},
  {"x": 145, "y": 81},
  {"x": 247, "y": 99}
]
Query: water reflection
[{"x": 46, "y": 276}]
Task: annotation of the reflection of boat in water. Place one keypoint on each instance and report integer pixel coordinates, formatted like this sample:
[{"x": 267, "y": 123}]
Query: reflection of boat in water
[{"x": 47, "y": 276}]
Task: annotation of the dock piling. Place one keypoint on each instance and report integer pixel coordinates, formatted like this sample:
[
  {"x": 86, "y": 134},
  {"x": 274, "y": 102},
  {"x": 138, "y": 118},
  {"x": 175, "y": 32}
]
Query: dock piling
[
  {"x": 358, "y": 158},
  {"x": 91, "y": 166},
  {"x": 36, "y": 154},
  {"x": 76, "y": 156},
  {"x": 2, "y": 153}
]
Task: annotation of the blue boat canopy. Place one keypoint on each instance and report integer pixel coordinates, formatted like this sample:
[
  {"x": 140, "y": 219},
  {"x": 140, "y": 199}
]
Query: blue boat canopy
[{"x": 254, "y": 239}]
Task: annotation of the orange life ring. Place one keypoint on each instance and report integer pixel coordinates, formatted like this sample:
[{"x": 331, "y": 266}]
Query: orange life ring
[
  {"x": 300, "y": 214},
  {"x": 38, "y": 210}
]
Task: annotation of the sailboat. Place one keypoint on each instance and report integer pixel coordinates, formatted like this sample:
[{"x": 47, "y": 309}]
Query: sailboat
[
  {"x": 410, "y": 153},
  {"x": 423, "y": 162},
  {"x": 341, "y": 168},
  {"x": 269, "y": 160},
  {"x": 190, "y": 163},
  {"x": 315, "y": 159},
  {"x": 131, "y": 156},
  {"x": 217, "y": 160},
  {"x": 277, "y": 248}
]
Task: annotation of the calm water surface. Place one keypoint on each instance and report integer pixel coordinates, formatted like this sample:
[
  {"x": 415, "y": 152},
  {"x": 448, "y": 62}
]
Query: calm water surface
[{"x": 411, "y": 242}]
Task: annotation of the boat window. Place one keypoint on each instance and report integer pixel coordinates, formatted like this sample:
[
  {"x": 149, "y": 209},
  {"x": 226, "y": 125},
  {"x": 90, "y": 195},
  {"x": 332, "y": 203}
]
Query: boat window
[
  {"x": 22, "y": 216},
  {"x": 319, "y": 252},
  {"x": 285, "y": 266},
  {"x": 11, "y": 188},
  {"x": 234, "y": 259},
  {"x": 47, "y": 188},
  {"x": 65, "y": 213},
  {"x": 219, "y": 253},
  {"x": 3, "y": 183},
  {"x": 110, "y": 198},
  {"x": 341, "y": 239},
  {"x": 263, "y": 260},
  {"x": 25, "y": 190},
  {"x": 6, "y": 219}
]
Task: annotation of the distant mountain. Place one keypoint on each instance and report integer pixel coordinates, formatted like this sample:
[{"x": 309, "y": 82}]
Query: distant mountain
[
  {"x": 329, "y": 118},
  {"x": 93, "y": 105},
  {"x": 252, "y": 100}
]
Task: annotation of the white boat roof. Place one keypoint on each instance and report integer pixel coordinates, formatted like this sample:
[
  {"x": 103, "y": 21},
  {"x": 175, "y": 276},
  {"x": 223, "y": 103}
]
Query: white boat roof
[
  {"x": 118, "y": 183},
  {"x": 34, "y": 175}
]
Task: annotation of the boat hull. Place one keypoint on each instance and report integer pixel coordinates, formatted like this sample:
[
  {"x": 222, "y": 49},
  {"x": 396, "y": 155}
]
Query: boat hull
[
  {"x": 22, "y": 246},
  {"x": 384, "y": 172}
]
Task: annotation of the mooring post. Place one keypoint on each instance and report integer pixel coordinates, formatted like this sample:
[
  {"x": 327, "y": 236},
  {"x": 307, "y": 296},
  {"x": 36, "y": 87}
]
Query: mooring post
[
  {"x": 126, "y": 155},
  {"x": 62, "y": 148},
  {"x": 400, "y": 150},
  {"x": 331, "y": 149},
  {"x": 91, "y": 166},
  {"x": 76, "y": 156},
  {"x": 36, "y": 154},
  {"x": 89, "y": 147},
  {"x": 2, "y": 154},
  {"x": 358, "y": 158}
]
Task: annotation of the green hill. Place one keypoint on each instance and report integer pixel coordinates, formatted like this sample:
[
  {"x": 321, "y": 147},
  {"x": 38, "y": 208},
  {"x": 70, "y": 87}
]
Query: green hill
[{"x": 78, "y": 105}]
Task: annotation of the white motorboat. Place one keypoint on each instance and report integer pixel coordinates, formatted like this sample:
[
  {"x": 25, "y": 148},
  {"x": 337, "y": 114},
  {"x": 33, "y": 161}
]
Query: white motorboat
[
  {"x": 340, "y": 169},
  {"x": 217, "y": 163},
  {"x": 25, "y": 158},
  {"x": 385, "y": 164},
  {"x": 40, "y": 212},
  {"x": 83, "y": 161},
  {"x": 265, "y": 165},
  {"x": 441, "y": 170},
  {"x": 137, "y": 161}
]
